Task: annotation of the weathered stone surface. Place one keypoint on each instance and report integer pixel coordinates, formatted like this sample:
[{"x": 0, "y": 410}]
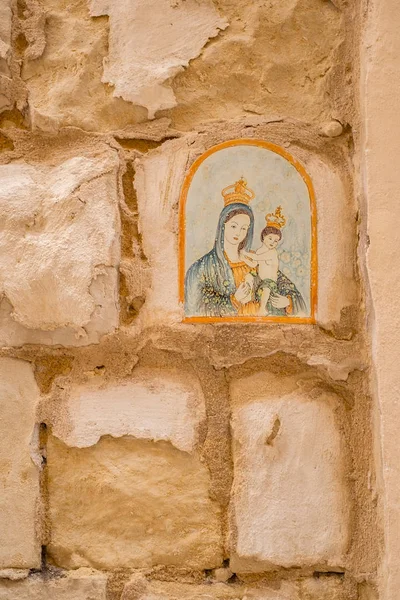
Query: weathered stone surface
[
  {"x": 367, "y": 592},
  {"x": 222, "y": 574},
  {"x": 379, "y": 153},
  {"x": 19, "y": 476},
  {"x": 14, "y": 574},
  {"x": 158, "y": 182},
  {"x": 139, "y": 588},
  {"x": 59, "y": 251},
  {"x": 82, "y": 584},
  {"x": 271, "y": 59},
  {"x": 332, "y": 129},
  {"x": 65, "y": 82},
  {"x": 130, "y": 503},
  {"x": 321, "y": 588},
  {"x": 336, "y": 255},
  {"x": 290, "y": 506},
  {"x": 138, "y": 64},
  {"x": 332, "y": 587},
  {"x": 155, "y": 404},
  {"x": 5, "y": 55},
  {"x": 5, "y": 35}
]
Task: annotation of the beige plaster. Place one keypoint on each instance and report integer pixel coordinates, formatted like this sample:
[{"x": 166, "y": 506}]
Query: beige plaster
[
  {"x": 155, "y": 404},
  {"x": 146, "y": 502},
  {"x": 140, "y": 65},
  {"x": 290, "y": 506},
  {"x": 379, "y": 151},
  {"x": 60, "y": 250},
  {"x": 271, "y": 60},
  {"x": 158, "y": 181}
]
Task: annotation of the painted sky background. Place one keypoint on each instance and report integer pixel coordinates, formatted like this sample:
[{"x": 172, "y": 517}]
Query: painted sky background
[{"x": 275, "y": 182}]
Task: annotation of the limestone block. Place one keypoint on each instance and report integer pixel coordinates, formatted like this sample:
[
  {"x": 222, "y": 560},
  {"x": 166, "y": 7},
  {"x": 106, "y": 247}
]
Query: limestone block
[
  {"x": 336, "y": 253},
  {"x": 127, "y": 503},
  {"x": 328, "y": 588},
  {"x": 290, "y": 506},
  {"x": 139, "y": 64},
  {"x": 138, "y": 588},
  {"x": 155, "y": 405},
  {"x": 332, "y": 129},
  {"x": 19, "y": 475},
  {"x": 367, "y": 592},
  {"x": 5, "y": 55},
  {"x": 14, "y": 574},
  {"x": 222, "y": 574},
  {"x": 59, "y": 251},
  {"x": 64, "y": 83},
  {"x": 259, "y": 63},
  {"x": 5, "y": 35},
  {"x": 82, "y": 584},
  {"x": 158, "y": 181}
]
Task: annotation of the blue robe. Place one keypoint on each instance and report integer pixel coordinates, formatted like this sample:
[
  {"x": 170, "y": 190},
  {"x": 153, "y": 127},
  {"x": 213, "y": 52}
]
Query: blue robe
[{"x": 209, "y": 282}]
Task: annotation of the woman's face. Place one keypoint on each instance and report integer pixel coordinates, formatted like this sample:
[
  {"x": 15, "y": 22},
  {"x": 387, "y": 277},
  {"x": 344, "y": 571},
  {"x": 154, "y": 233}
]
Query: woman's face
[{"x": 236, "y": 229}]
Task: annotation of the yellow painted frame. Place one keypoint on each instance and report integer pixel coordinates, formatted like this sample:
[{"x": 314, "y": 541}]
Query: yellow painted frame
[{"x": 182, "y": 230}]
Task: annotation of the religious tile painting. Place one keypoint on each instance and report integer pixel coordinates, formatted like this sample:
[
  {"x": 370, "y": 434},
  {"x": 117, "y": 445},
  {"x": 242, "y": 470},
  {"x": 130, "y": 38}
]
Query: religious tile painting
[{"x": 248, "y": 236}]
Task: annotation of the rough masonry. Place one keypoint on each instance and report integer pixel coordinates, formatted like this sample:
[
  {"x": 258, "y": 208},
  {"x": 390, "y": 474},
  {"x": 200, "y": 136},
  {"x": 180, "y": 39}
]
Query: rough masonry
[{"x": 143, "y": 458}]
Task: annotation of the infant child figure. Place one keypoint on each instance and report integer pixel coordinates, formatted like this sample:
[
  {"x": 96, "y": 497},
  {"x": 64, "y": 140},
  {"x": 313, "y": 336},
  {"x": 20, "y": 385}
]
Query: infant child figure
[{"x": 265, "y": 261}]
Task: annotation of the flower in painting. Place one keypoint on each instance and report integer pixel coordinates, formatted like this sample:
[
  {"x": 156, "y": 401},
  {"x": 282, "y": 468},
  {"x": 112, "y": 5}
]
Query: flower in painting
[
  {"x": 285, "y": 257},
  {"x": 301, "y": 271}
]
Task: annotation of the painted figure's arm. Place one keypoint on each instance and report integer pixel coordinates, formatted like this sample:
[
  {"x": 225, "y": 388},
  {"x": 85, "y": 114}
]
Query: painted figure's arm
[
  {"x": 202, "y": 296},
  {"x": 249, "y": 258},
  {"x": 290, "y": 298}
]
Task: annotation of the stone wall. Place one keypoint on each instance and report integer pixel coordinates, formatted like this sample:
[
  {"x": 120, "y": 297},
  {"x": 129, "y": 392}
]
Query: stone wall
[
  {"x": 143, "y": 458},
  {"x": 379, "y": 141}
]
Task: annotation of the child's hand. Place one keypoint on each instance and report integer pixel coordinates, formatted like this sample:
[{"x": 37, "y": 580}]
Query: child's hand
[{"x": 250, "y": 258}]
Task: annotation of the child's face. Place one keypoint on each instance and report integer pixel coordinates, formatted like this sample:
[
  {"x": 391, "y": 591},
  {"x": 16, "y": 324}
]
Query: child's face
[{"x": 271, "y": 240}]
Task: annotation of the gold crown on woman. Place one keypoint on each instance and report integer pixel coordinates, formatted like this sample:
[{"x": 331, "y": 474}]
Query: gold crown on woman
[
  {"x": 276, "y": 219},
  {"x": 238, "y": 192}
]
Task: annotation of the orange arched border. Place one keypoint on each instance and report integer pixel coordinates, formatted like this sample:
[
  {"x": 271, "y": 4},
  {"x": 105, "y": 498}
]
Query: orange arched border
[{"x": 182, "y": 231}]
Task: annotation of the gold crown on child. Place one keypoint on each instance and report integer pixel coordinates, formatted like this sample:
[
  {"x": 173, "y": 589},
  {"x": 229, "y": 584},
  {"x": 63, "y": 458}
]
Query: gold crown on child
[
  {"x": 238, "y": 192},
  {"x": 276, "y": 219}
]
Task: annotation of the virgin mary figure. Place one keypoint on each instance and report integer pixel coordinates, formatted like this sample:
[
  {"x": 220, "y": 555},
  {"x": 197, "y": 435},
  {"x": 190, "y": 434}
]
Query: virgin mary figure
[{"x": 217, "y": 284}]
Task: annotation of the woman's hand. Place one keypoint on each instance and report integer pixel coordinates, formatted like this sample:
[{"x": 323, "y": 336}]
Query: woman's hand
[
  {"x": 278, "y": 301},
  {"x": 243, "y": 293}
]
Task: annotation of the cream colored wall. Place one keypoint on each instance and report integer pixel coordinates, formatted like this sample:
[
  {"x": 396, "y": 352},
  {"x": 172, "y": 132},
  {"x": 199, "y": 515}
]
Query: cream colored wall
[{"x": 380, "y": 156}]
